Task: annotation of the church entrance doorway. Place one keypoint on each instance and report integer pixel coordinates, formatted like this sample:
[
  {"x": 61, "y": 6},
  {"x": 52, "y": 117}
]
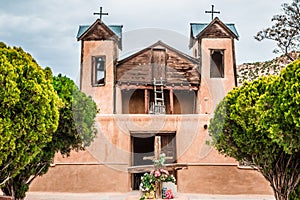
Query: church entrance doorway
[{"x": 145, "y": 148}]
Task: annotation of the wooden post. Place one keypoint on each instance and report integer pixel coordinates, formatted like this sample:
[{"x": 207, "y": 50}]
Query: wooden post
[
  {"x": 157, "y": 147},
  {"x": 171, "y": 101},
  {"x": 146, "y": 101},
  {"x": 157, "y": 152}
]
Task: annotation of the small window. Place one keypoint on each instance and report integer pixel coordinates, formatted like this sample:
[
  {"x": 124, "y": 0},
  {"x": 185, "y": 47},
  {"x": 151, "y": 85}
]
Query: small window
[
  {"x": 217, "y": 64},
  {"x": 98, "y": 72}
]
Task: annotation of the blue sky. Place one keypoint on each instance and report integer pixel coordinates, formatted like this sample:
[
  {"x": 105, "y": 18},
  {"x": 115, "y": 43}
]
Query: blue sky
[{"x": 47, "y": 28}]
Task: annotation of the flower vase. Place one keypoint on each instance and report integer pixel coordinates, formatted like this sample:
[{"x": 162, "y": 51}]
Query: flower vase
[{"x": 158, "y": 189}]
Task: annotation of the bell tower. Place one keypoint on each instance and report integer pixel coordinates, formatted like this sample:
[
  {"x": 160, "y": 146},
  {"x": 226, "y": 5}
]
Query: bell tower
[
  {"x": 100, "y": 46},
  {"x": 213, "y": 45}
]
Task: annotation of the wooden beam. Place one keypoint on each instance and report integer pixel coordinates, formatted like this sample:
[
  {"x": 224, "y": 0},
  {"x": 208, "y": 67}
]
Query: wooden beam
[
  {"x": 149, "y": 87},
  {"x": 148, "y": 157},
  {"x": 157, "y": 147},
  {"x": 146, "y": 101},
  {"x": 171, "y": 102},
  {"x": 148, "y": 168}
]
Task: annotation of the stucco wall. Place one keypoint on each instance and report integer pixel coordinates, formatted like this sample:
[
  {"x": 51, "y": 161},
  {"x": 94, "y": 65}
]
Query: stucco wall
[
  {"x": 104, "y": 166},
  {"x": 81, "y": 178},
  {"x": 222, "y": 180},
  {"x": 195, "y": 179},
  {"x": 102, "y": 95},
  {"x": 213, "y": 90}
]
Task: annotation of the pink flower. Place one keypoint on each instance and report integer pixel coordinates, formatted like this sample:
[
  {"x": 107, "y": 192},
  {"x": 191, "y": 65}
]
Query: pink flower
[
  {"x": 157, "y": 173},
  {"x": 169, "y": 194},
  {"x": 164, "y": 171},
  {"x": 152, "y": 172}
]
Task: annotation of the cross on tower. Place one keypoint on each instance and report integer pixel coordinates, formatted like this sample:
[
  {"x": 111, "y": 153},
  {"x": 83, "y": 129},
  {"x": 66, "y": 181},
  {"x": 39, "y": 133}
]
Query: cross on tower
[
  {"x": 100, "y": 14},
  {"x": 212, "y": 12}
]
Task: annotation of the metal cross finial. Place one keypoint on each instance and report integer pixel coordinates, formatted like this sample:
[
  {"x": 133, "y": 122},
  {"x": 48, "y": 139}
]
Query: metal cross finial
[
  {"x": 100, "y": 14},
  {"x": 212, "y": 12}
]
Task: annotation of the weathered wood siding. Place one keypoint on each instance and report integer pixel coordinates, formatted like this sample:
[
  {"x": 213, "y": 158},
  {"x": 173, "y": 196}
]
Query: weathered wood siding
[
  {"x": 155, "y": 63},
  {"x": 159, "y": 64},
  {"x": 136, "y": 70},
  {"x": 99, "y": 31},
  {"x": 215, "y": 31},
  {"x": 180, "y": 70}
]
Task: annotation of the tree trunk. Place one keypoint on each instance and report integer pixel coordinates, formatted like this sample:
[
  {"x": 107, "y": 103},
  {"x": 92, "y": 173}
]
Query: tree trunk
[
  {"x": 281, "y": 196},
  {"x": 289, "y": 57},
  {"x": 283, "y": 175},
  {"x": 8, "y": 189},
  {"x": 19, "y": 199}
]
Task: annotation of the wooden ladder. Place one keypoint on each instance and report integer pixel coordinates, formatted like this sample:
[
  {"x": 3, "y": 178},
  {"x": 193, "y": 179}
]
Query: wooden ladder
[{"x": 159, "y": 101}]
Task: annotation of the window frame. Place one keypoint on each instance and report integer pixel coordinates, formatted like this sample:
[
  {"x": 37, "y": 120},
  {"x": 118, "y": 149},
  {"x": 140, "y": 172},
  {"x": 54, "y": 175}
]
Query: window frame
[
  {"x": 222, "y": 68},
  {"x": 94, "y": 71}
]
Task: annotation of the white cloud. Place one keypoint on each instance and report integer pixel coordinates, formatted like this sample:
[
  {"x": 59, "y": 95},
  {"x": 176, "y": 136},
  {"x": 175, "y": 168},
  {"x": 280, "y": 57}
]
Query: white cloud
[{"x": 47, "y": 29}]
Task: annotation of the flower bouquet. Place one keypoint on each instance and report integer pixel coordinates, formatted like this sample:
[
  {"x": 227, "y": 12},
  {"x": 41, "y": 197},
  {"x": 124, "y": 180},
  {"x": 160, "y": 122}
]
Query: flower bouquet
[
  {"x": 147, "y": 186},
  {"x": 151, "y": 182}
]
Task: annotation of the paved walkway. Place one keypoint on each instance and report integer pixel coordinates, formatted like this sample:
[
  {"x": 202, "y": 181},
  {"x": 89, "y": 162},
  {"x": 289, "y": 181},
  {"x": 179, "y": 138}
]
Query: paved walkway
[{"x": 122, "y": 196}]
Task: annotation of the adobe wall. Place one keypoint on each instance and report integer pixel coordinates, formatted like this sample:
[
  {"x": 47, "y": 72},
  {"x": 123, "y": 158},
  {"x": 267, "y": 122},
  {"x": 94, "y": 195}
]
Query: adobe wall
[
  {"x": 213, "y": 90},
  {"x": 81, "y": 178},
  {"x": 196, "y": 179},
  {"x": 104, "y": 166},
  {"x": 107, "y": 49},
  {"x": 222, "y": 180}
]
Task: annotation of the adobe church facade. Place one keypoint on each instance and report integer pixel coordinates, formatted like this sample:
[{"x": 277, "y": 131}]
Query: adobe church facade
[{"x": 158, "y": 92}]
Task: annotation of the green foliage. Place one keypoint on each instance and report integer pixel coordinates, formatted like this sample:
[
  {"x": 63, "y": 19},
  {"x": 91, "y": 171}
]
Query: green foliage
[
  {"x": 160, "y": 162},
  {"x": 77, "y": 118},
  {"x": 296, "y": 193},
  {"x": 147, "y": 182},
  {"x": 234, "y": 125},
  {"x": 2, "y": 45},
  {"x": 259, "y": 124},
  {"x": 28, "y": 110},
  {"x": 279, "y": 109},
  {"x": 75, "y": 132}
]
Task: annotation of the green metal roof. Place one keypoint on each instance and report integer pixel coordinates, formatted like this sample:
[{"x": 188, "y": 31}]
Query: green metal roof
[
  {"x": 81, "y": 30},
  {"x": 117, "y": 29},
  {"x": 196, "y": 28}
]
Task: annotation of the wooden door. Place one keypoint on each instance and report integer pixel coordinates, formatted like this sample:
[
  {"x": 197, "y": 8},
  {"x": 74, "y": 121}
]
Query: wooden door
[
  {"x": 168, "y": 147},
  {"x": 142, "y": 147}
]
